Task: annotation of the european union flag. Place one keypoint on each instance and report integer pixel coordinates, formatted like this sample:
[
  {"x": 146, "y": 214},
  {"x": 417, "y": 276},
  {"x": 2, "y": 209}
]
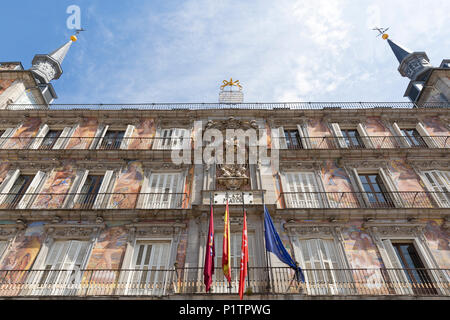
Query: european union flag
[{"x": 274, "y": 245}]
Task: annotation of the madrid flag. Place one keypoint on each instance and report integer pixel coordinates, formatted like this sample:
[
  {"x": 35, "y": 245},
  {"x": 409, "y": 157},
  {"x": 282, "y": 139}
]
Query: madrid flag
[
  {"x": 226, "y": 263},
  {"x": 244, "y": 258},
  {"x": 210, "y": 253}
]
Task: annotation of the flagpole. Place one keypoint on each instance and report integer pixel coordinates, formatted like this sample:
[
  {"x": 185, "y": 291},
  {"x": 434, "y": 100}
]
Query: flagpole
[
  {"x": 243, "y": 211},
  {"x": 265, "y": 248}
]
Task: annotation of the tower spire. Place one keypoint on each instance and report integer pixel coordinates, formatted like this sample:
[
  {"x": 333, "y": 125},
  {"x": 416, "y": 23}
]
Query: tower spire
[
  {"x": 47, "y": 67},
  {"x": 413, "y": 65}
]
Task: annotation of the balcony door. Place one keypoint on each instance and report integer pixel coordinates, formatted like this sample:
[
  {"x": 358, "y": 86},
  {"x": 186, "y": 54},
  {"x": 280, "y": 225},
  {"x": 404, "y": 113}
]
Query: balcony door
[
  {"x": 375, "y": 190},
  {"x": 89, "y": 191},
  {"x": 162, "y": 190},
  {"x": 302, "y": 190},
  {"x": 220, "y": 283},
  {"x": 323, "y": 272},
  {"x": 439, "y": 182},
  {"x": 17, "y": 191},
  {"x": 149, "y": 273},
  {"x": 61, "y": 274}
]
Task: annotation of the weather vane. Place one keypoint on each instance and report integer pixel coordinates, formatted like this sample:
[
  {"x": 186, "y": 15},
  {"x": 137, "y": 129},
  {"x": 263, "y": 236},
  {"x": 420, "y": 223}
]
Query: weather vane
[
  {"x": 231, "y": 83},
  {"x": 382, "y": 32},
  {"x": 74, "y": 36}
]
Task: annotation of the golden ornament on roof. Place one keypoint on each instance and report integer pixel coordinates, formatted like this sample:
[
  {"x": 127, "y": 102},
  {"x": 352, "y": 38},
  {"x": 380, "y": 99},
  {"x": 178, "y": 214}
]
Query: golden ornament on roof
[{"x": 231, "y": 83}]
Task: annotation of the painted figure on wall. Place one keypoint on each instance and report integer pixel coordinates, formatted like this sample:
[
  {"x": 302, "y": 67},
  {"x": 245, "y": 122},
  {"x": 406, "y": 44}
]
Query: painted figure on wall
[
  {"x": 317, "y": 128},
  {"x": 127, "y": 186},
  {"x": 438, "y": 242},
  {"x": 4, "y": 168},
  {"x": 436, "y": 128},
  {"x": 380, "y": 135},
  {"x": 84, "y": 134},
  {"x": 55, "y": 188},
  {"x": 143, "y": 135},
  {"x": 337, "y": 183},
  {"x": 24, "y": 135}
]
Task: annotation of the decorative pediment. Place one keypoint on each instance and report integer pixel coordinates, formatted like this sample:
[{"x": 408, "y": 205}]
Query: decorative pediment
[
  {"x": 231, "y": 123},
  {"x": 300, "y": 165},
  {"x": 324, "y": 230},
  {"x": 393, "y": 229},
  {"x": 148, "y": 230},
  {"x": 73, "y": 231},
  {"x": 433, "y": 164},
  {"x": 7, "y": 231},
  {"x": 365, "y": 164}
]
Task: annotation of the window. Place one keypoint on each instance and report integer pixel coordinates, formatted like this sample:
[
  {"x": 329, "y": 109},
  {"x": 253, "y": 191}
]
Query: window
[
  {"x": 150, "y": 268},
  {"x": 17, "y": 191},
  {"x": 162, "y": 190},
  {"x": 414, "y": 268},
  {"x": 352, "y": 138},
  {"x": 302, "y": 190},
  {"x": 439, "y": 183},
  {"x": 62, "y": 268},
  {"x": 220, "y": 283},
  {"x": 112, "y": 139},
  {"x": 89, "y": 191},
  {"x": 375, "y": 190},
  {"x": 174, "y": 138},
  {"x": 321, "y": 267},
  {"x": 3, "y": 245},
  {"x": 413, "y": 138},
  {"x": 50, "y": 139},
  {"x": 293, "y": 140}
]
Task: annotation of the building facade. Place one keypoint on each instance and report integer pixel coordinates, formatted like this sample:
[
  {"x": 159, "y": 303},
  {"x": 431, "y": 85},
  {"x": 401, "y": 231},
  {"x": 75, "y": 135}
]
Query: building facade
[{"x": 93, "y": 203}]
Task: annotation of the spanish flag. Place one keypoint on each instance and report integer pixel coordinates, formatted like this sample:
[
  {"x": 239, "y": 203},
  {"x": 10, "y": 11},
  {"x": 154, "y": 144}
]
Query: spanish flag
[{"x": 226, "y": 264}]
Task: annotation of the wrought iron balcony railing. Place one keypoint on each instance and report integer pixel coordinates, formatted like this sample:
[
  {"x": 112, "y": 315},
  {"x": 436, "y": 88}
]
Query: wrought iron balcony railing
[
  {"x": 347, "y": 200},
  {"x": 249, "y": 105},
  {"x": 189, "y": 281},
  {"x": 86, "y": 201},
  {"x": 178, "y": 143},
  {"x": 370, "y": 142}
]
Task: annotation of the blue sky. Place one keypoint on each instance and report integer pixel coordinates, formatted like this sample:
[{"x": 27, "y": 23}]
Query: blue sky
[{"x": 180, "y": 51}]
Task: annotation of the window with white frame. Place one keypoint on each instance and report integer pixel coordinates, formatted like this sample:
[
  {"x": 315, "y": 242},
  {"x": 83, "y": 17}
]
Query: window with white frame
[
  {"x": 173, "y": 138},
  {"x": 220, "y": 283},
  {"x": 162, "y": 190},
  {"x": 323, "y": 271},
  {"x": 61, "y": 271},
  {"x": 149, "y": 268},
  {"x": 18, "y": 189},
  {"x": 438, "y": 182},
  {"x": 301, "y": 190},
  {"x": 351, "y": 137},
  {"x": 3, "y": 245}
]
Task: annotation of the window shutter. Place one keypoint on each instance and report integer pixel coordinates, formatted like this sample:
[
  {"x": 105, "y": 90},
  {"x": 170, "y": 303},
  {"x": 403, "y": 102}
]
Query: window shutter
[
  {"x": 400, "y": 136},
  {"x": 426, "y": 136},
  {"x": 396, "y": 274},
  {"x": 438, "y": 183},
  {"x": 362, "y": 193},
  {"x": 7, "y": 183},
  {"x": 181, "y": 138},
  {"x": 338, "y": 135},
  {"x": 36, "y": 143},
  {"x": 364, "y": 136},
  {"x": 101, "y": 196},
  {"x": 303, "y": 190},
  {"x": 145, "y": 189},
  {"x": 303, "y": 137},
  {"x": 396, "y": 197},
  {"x": 64, "y": 138},
  {"x": 157, "y": 139},
  {"x": 32, "y": 190},
  {"x": 99, "y": 135},
  {"x": 3, "y": 245},
  {"x": 126, "y": 137},
  {"x": 8, "y": 133},
  {"x": 75, "y": 188},
  {"x": 164, "y": 189},
  {"x": 278, "y": 138}
]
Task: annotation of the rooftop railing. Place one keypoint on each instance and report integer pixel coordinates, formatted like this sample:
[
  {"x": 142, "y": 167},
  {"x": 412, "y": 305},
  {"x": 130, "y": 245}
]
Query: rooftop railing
[
  {"x": 189, "y": 281},
  {"x": 250, "y": 105},
  {"x": 373, "y": 200}
]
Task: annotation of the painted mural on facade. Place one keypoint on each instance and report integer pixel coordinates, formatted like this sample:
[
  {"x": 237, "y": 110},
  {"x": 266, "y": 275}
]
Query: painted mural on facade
[
  {"x": 317, "y": 128},
  {"x": 24, "y": 134},
  {"x": 438, "y": 242},
  {"x": 129, "y": 180},
  {"x": 381, "y": 137},
  {"x": 362, "y": 253},
  {"x": 336, "y": 181},
  {"x": 436, "y": 128},
  {"x": 4, "y": 84},
  {"x": 143, "y": 134},
  {"x": 23, "y": 251},
  {"x": 58, "y": 182},
  {"x": 405, "y": 179},
  {"x": 4, "y": 168},
  {"x": 82, "y": 134}
]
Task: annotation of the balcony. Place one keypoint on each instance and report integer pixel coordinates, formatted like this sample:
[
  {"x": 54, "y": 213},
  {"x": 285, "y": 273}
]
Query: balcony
[
  {"x": 372, "y": 143},
  {"x": 189, "y": 281},
  {"x": 373, "y": 200},
  {"x": 89, "y": 201}
]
